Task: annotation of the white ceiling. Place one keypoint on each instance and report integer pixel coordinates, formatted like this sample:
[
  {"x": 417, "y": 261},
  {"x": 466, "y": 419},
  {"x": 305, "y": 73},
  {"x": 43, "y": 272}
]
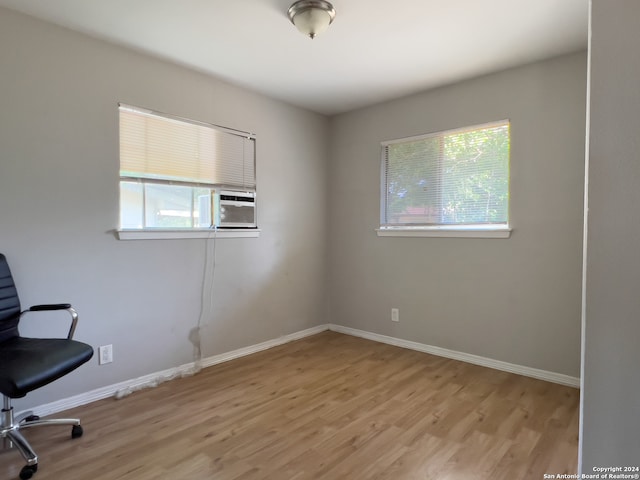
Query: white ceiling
[{"x": 374, "y": 50}]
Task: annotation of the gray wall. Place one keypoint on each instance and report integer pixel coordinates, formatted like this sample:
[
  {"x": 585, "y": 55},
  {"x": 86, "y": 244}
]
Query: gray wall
[
  {"x": 611, "y": 388},
  {"x": 59, "y": 93},
  {"x": 515, "y": 300}
]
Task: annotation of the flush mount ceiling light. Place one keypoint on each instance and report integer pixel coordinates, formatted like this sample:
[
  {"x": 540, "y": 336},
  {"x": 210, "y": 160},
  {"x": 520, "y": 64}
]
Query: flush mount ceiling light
[{"x": 311, "y": 17}]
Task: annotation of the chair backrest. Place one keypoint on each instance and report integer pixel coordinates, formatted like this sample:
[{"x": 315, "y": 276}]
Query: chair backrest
[{"x": 9, "y": 302}]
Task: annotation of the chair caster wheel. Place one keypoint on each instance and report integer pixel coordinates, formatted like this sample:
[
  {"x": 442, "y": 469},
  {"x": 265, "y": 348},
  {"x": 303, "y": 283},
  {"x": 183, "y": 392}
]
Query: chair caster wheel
[
  {"x": 28, "y": 471},
  {"x": 32, "y": 418},
  {"x": 76, "y": 431}
]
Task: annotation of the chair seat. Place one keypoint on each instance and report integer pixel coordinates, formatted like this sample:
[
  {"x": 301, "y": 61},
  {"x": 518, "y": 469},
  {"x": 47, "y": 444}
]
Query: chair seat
[{"x": 30, "y": 363}]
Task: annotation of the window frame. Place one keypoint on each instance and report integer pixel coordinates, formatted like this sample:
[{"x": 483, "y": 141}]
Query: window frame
[{"x": 480, "y": 230}]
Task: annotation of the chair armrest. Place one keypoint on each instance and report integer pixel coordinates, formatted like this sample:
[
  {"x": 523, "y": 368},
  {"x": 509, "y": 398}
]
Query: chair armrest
[{"x": 57, "y": 306}]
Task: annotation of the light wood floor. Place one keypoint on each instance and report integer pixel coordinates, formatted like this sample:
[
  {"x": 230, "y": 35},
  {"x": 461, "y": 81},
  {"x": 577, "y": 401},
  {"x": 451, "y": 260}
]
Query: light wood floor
[{"x": 327, "y": 407}]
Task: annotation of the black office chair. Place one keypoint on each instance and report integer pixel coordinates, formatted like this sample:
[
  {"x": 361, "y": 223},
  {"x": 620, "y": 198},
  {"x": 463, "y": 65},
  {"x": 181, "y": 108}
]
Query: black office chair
[{"x": 30, "y": 363}]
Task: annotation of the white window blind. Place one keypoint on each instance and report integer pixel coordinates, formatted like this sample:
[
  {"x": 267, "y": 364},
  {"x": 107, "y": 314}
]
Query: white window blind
[
  {"x": 159, "y": 147},
  {"x": 452, "y": 178}
]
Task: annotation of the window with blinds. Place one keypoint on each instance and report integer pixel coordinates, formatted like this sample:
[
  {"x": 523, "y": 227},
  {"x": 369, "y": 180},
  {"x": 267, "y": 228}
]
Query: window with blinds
[
  {"x": 171, "y": 168},
  {"x": 456, "y": 178}
]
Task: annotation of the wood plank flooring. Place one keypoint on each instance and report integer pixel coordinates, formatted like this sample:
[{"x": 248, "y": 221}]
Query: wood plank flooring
[{"x": 329, "y": 407}]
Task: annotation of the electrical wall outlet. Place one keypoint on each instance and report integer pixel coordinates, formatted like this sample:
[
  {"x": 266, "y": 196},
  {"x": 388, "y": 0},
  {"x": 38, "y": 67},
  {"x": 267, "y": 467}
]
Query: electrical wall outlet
[
  {"x": 395, "y": 315},
  {"x": 105, "y": 354}
]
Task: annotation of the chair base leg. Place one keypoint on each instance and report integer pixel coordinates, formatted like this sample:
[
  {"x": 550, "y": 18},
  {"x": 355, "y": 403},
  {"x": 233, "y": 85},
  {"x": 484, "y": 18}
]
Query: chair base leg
[
  {"x": 22, "y": 415},
  {"x": 13, "y": 439},
  {"x": 21, "y": 444},
  {"x": 10, "y": 427},
  {"x": 51, "y": 422}
]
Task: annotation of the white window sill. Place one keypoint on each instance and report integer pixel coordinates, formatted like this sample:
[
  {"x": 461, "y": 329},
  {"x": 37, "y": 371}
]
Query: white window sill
[
  {"x": 446, "y": 232},
  {"x": 152, "y": 234}
]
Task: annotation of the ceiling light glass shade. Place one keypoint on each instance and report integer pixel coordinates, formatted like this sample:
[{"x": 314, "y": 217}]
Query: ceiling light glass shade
[{"x": 311, "y": 17}]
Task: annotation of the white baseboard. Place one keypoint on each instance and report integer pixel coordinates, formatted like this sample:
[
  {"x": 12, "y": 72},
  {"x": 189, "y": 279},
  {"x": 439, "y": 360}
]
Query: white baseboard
[
  {"x": 190, "y": 368},
  {"x": 464, "y": 357},
  {"x": 154, "y": 379},
  {"x": 242, "y": 352}
]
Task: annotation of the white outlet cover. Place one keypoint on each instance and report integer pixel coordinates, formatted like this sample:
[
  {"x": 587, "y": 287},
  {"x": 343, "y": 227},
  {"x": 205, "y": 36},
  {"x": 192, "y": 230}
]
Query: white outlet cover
[{"x": 105, "y": 354}]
